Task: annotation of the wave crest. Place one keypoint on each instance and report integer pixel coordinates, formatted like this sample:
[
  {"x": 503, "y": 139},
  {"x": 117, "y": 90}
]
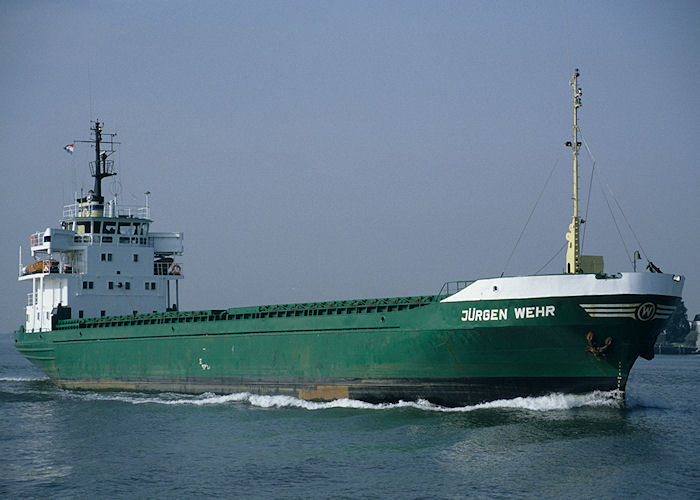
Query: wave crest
[
  {"x": 23, "y": 379},
  {"x": 549, "y": 402}
]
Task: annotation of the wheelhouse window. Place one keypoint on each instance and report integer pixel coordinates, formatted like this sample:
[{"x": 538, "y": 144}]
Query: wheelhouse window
[
  {"x": 83, "y": 227},
  {"x": 126, "y": 228}
]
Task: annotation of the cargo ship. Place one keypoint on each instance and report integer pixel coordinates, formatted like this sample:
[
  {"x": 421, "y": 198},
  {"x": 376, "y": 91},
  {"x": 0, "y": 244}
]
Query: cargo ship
[{"x": 104, "y": 313}]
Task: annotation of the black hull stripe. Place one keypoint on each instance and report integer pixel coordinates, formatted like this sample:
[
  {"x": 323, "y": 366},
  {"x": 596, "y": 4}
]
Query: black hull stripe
[{"x": 444, "y": 392}]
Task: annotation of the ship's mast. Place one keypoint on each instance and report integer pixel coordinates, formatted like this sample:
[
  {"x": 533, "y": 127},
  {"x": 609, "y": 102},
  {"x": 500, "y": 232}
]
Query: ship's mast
[
  {"x": 573, "y": 252},
  {"x": 101, "y": 169}
]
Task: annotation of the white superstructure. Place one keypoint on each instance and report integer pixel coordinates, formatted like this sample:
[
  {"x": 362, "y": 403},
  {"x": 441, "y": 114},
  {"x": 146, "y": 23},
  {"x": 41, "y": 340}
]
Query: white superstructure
[{"x": 101, "y": 261}]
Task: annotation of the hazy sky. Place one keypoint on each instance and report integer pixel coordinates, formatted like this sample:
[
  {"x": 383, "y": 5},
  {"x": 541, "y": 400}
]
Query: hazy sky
[{"x": 328, "y": 150}]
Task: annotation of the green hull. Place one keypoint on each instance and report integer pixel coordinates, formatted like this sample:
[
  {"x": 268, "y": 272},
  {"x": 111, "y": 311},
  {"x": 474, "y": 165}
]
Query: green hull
[
  {"x": 381, "y": 350},
  {"x": 494, "y": 338}
]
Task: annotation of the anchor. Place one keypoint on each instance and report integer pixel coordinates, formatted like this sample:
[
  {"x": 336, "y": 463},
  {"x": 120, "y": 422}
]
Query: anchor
[{"x": 597, "y": 350}]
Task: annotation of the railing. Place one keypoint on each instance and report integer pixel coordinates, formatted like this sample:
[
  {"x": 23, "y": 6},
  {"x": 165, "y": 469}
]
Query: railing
[
  {"x": 452, "y": 287},
  {"x": 50, "y": 267},
  {"x": 70, "y": 211},
  {"x": 110, "y": 209},
  {"x": 347, "y": 306},
  {"x": 114, "y": 210},
  {"x": 82, "y": 210},
  {"x": 36, "y": 239},
  {"x": 167, "y": 269},
  {"x": 365, "y": 306}
]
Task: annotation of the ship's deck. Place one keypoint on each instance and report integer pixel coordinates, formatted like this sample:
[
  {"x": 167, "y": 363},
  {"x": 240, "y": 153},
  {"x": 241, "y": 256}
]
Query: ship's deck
[{"x": 358, "y": 306}]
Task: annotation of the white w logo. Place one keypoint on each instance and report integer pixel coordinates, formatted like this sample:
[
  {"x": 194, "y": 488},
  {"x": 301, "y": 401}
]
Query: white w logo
[{"x": 646, "y": 311}]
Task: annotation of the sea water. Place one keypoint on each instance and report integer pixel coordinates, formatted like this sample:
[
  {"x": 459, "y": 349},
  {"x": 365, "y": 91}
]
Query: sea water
[{"x": 56, "y": 443}]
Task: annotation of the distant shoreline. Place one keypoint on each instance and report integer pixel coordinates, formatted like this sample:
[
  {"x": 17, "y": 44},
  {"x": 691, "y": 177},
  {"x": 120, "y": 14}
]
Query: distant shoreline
[{"x": 673, "y": 349}]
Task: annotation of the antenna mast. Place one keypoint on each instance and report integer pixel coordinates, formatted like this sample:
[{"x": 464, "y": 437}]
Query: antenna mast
[
  {"x": 573, "y": 251},
  {"x": 93, "y": 203},
  {"x": 101, "y": 161},
  {"x": 101, "y": 167}
]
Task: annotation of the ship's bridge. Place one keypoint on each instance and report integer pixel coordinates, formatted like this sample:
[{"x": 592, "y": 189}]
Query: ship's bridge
[
  {"x": 61, "y": 249},
  {"x": 98, "y": 263},
  {"x": 102, "y": 259},
  {"x": 89, "y": 224}
]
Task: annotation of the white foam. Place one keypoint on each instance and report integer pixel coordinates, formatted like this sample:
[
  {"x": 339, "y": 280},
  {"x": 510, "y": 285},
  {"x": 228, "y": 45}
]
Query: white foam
[
  {"x": 22, "y": 379},
  {"x": 559, "y": 401},
  {"x": 542, "y": 403},
  {"x": 163, "y": 399}
]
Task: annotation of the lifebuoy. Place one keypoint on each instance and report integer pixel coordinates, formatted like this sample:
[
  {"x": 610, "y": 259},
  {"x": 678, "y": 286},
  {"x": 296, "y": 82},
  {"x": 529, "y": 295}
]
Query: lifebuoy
[
  {"x": 47, "y": 266},
  {"x": 175, "y": 269}
]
